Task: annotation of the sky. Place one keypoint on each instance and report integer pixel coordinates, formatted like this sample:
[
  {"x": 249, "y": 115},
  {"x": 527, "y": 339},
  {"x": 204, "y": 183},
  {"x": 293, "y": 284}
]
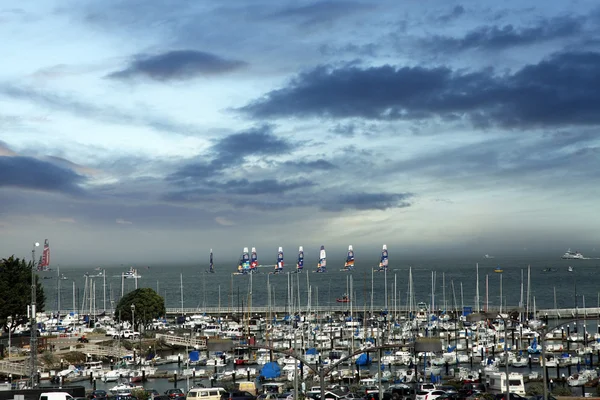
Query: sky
[{"x": 152, "y": 131}]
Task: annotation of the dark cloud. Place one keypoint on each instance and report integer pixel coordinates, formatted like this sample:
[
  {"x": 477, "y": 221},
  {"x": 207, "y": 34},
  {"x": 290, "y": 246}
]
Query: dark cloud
[
  {"x": 347, "y": 130},
  {"x": 321, "y": 11},
  {"x": 31, "y": 173},
  {"x": 456, "y": 12},
  {"x": 319, "y": 164},
  {"x": 232, "y": 151},
  {"x": 264, "y": 186},
  {"x": 560, "y": 90},
  {"x": 177, "y": 65},
  {"x": 82, "y": 109},
  {"x": 501, "y": 37},
  {"x": 236, "y": 189},
  {"x": 368, "y": 201},
  {"x": 256, "y": 141}
]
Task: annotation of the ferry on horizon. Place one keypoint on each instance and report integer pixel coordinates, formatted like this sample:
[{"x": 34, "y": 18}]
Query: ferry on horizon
[
  {"x": 572, "y": 255},
  {"x": 488, "y": 256}
]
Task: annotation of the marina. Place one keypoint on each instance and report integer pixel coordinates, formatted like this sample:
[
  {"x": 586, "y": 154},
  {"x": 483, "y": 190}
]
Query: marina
[{"x": 481, "y": 321}]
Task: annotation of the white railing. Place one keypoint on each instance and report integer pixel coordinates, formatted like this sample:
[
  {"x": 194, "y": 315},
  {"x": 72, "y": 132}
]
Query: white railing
[{"x": 198, "y": 343}]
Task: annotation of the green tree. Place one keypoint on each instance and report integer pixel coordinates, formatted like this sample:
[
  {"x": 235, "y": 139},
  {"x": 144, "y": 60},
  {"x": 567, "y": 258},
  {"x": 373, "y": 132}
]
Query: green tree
[
  {"x": 15, "y": 292},
  {"x": 148, "y": 305}
]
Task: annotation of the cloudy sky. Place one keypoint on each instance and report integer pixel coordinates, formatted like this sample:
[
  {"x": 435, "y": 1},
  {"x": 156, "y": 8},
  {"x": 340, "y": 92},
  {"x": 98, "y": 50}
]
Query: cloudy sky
[{"x": 139, "y": 131}]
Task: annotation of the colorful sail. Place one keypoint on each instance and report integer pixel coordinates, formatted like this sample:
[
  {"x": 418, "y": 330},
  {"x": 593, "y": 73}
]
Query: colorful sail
[
  {"x": 383, "y": 263},
  {"x": 322, "y": 265},
  {"x": 253, "y": 260},
  {"x": 279, "y": 266},
  {"x": 300, "y": 263},
  {"x": 349, "y": 264},
  {"x": 44, "y": 262},
  {"x": 211, "y": 267},
  {"x": 244, "y": 265}
]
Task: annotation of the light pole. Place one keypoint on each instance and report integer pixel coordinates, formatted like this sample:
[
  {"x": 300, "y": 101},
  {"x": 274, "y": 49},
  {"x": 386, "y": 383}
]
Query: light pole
[
  {"x": 33, "y": 327},
  {"x": 133, "y": 317},
  {"x": 133, "y": 329}
]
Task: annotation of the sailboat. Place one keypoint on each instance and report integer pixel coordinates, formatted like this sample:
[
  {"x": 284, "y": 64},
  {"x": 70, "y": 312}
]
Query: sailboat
[
  {"x": 253, "y": 261},
  {"x": 244, "y": 263},
  {"x": 300, "y": 263},
  {"x": 279, "y": 265},
  {"x": 322, "y": 265},
  {"x": 211, "y": 266},
  {"x": 383, "y": 262},
  {"x": 349, "y": 264},
  {"x": 44, "y": 262}
]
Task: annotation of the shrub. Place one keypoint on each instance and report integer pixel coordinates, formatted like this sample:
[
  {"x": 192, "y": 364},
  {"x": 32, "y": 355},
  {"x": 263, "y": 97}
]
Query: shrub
[
  {"x": 560, "y": 390},
  {"x": 535, "y": 389}
]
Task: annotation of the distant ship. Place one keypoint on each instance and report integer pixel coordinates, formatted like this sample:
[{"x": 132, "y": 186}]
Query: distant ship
[
  {"x": 498, "y": 269},
  {"x": 488, "y": 256},
  {"x": 572, "y": 255}
]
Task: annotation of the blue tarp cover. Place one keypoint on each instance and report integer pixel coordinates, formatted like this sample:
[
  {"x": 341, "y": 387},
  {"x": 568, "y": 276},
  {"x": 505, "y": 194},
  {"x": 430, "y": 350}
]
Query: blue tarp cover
[{"x": 270, "y": 370}]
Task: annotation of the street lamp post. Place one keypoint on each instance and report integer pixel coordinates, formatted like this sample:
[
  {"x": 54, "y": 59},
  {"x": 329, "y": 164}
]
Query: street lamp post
[
  {"x": 133, "y": 327},
  {"x": 33, "y": 326}
]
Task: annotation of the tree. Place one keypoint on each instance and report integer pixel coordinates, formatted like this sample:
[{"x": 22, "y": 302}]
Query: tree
[
  {"x": 15, "y": 292},
  {"x": 148, "y": 305}
]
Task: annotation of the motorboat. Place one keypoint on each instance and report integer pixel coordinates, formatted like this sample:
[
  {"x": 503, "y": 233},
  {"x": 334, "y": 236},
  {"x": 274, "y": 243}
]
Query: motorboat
[
  {"x": 344, "y": 299},
  {"x": 572, "y": 255},
  {"x": 131, "y": 274}
]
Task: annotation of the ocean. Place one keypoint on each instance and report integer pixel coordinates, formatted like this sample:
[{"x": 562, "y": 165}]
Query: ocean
[{"x": 200, "y": 288}]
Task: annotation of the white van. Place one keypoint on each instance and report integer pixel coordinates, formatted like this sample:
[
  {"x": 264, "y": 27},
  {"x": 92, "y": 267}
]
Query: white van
[
  {"x": 55, "y": 396},
  {"x": 205, "y": 393}
]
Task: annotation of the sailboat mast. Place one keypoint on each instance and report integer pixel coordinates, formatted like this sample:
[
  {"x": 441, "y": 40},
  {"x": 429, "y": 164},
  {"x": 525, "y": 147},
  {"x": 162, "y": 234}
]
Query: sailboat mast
[
  {"x": 500, "y": 293},
  {"x": 528, "y": 289},
  {"x": 104, "y": 288},
  {"x": 462, "y": 299},
  {"x": 477, "y": 287},
  {"x": 181, "y": 290},
  {"x": 486, "y": 292},
  {"x": 372, "y": 273}
]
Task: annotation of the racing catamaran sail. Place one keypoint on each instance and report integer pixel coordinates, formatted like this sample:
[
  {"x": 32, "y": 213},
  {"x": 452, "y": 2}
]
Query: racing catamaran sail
[
  {"x": 349, "y": 264},
  {"x": 211, "y": 267},
  {"x": 322, "y": 265},
  {"x": 253, "y": 261},
  {"x": 244, "y": 264},
  {"x": 44, "y": 263},
  {"x": 300, "y": 263},
  {"x": 383, "y": 263},
  {"x": 279, "y": 266}
]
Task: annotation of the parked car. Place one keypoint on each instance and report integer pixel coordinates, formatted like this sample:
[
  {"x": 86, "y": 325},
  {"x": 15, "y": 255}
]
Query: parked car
[
  {"x": 512, "y": 396},
  {"x": 174, "y": 393},
  {"x": 98, "y": 395},
  {"x": 238, "y": 395},
  {"x": 429, "y": 395}
]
